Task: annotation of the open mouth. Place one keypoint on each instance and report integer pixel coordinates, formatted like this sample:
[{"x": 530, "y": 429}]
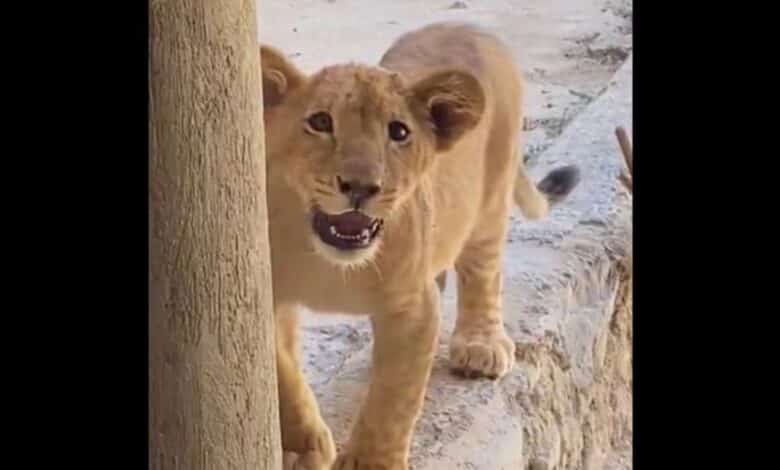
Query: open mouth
[{"x": 351, "y": 230}]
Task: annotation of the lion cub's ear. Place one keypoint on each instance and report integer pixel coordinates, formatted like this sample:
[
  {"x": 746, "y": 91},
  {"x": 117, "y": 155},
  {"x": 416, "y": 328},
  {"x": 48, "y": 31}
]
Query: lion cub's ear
[
  {"x": 280, "y": 76},
  {"x": 454, "y": 102}
]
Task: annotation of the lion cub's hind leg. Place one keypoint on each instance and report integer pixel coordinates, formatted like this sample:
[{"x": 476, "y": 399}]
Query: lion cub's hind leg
[{"x": 479, "y": 344}]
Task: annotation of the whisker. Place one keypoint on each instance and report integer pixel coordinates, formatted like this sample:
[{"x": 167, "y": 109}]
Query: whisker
[{"x": 375, "y": 265}]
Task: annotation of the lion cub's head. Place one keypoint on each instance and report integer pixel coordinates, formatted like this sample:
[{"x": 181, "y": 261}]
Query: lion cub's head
[{"x": 353, "y": 141}]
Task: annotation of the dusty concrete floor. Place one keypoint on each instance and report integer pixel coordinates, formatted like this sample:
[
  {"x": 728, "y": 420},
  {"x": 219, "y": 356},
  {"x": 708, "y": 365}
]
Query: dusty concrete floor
[{"x": 568, "y": 49}]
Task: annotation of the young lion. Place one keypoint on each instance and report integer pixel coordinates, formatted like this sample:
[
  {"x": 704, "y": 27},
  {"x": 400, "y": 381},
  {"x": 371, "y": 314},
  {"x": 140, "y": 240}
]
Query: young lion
[{"x": 380, "y": 179}]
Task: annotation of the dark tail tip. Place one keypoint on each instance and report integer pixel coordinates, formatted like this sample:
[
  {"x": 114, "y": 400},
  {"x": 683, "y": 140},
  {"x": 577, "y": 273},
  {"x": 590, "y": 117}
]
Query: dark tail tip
[{"x": 559, "y": 183}]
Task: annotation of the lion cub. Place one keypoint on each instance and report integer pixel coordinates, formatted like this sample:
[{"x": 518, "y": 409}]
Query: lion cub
[{"x": 379, "y": 180}]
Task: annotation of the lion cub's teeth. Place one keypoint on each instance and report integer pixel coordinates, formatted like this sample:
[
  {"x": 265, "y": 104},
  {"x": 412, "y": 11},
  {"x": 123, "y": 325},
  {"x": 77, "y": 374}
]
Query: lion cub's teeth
[{"x": 362, "y": 236}]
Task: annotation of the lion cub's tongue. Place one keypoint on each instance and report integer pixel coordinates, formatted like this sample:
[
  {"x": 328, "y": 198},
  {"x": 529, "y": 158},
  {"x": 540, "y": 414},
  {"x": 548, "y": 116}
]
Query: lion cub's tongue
[{"x": 350, "y": 223}]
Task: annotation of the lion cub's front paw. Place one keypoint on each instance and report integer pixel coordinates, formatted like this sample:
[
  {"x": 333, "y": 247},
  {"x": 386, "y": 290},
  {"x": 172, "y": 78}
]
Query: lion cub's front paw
[
  {"x": 310, "y": 448},
  {"x": 481, "y": 351},
  {"x": 355, "y": 462}
]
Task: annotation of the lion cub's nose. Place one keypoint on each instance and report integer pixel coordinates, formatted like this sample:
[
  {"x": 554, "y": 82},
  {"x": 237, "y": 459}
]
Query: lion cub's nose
[{"x": 357, "y": 191}]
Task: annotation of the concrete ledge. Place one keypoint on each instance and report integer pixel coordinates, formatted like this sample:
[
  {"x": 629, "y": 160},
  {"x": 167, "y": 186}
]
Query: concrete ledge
[{"x": 567, "y": 303}]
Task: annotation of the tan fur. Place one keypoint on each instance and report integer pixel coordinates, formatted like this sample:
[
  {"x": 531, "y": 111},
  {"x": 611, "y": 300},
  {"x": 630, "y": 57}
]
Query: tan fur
[{"x": 445, "y": 198}]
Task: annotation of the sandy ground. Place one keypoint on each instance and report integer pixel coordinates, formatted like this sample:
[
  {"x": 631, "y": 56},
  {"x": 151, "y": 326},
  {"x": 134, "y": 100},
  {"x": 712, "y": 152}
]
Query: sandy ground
[{"x": 568, "y": 49}]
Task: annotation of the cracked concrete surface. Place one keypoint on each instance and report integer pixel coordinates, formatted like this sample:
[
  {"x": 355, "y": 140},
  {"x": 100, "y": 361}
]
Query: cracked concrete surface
[{"x": 567, "y": 287}]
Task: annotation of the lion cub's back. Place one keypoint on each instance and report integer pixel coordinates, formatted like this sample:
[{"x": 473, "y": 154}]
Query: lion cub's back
[
  {"x": 456, "y": 45},
  {"x": 459, "y": 194}
]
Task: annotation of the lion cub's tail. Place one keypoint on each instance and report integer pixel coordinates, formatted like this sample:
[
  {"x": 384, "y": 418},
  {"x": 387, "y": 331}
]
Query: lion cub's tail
[{"x": 535, "y": 200}]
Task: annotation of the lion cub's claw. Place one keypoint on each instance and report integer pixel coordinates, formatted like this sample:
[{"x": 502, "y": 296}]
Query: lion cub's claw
[
  {"x": 319, "y": 453},
  {"x": 476, "y": 352},
  {"x": 354, "y": 462}
]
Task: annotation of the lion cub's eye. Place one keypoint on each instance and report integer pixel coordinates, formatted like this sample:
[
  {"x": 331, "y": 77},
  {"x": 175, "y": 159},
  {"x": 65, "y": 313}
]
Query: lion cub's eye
[
  {"x": 398, "y": 131},
  {"x": 320, "y": 122}
]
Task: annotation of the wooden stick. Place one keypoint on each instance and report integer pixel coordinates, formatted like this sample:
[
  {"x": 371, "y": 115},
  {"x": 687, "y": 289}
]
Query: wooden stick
[
  {"x": 628, "y": 156},
  {"x": 625, "y": 146},
  {"x": 626, "y": 180}
]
